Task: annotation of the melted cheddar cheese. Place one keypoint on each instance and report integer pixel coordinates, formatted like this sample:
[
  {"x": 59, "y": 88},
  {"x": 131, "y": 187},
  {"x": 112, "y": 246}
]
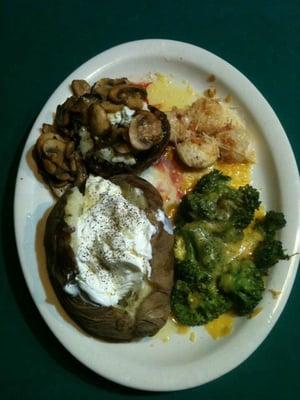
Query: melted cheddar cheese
[{"x": 165, "y": 94}]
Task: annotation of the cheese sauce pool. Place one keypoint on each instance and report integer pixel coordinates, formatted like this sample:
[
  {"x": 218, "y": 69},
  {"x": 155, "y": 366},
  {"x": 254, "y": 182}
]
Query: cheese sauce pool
[
  {"x": 165, "y": 94},
  {"x": 173, "y": 180}
]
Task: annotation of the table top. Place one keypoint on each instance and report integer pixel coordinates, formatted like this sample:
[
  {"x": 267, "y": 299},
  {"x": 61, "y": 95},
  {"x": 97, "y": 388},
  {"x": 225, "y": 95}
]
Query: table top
[{"x": 42, "y": 42}]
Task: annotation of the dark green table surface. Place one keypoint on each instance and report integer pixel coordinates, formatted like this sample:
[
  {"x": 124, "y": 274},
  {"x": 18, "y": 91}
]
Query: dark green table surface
[{"x": 41, "y": 43}]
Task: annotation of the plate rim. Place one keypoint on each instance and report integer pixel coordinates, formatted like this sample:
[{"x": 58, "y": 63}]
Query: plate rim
[{"x": 131, "y": 46}]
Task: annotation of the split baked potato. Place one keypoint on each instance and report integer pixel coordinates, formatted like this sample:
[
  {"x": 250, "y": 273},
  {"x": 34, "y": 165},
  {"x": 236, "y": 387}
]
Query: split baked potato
[{"x": 138, "y": 314}]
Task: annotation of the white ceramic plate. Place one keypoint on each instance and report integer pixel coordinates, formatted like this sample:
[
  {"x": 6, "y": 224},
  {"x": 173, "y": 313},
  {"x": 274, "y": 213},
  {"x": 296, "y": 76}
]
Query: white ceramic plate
[{"x": 151, "y": 364}]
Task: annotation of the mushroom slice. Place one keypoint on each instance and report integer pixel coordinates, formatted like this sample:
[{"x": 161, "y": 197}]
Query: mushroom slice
[
  {"x": 98, "y": 121},
  {"x": 59, "y": 162},
  {"x": 123, "y": 148},
  {"x": 42, "y": 140},
  {"x": 62, "y": 116},
  {"x": 145, "y": 131},
  {"x": 54, "y": 150},
  {"x": 63, "y": 176},
  {"x": 119, "y": 132},
  {"x": 47, "y": 128},
  {"x": 69, "y": 150},
  {"x": 80, "y": 87},
  {"x": 132, "y": 95},
  {"x": 111, "y": 107},
  {"x": 50, "y": 167},
  {"x": 103, "y": 86},
  {"x": 73, "y": 111}
]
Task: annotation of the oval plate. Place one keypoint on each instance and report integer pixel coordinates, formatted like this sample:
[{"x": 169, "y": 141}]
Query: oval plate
[{"x": 151, "y": 364}]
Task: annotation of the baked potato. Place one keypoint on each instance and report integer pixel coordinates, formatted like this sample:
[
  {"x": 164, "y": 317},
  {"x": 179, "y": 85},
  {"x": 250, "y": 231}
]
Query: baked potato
[{"x": 138, "y": 314}]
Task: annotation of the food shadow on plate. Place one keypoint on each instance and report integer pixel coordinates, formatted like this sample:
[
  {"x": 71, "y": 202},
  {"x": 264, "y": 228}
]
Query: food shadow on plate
[{"x": 23, "y": 299}]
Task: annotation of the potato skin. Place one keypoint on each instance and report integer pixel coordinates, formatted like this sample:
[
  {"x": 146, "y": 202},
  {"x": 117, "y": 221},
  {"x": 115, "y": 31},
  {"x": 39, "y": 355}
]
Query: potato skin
[{"x": 111, "y": 323}]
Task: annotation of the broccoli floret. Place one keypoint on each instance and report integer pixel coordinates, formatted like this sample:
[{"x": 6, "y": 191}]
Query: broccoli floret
[
  {"x": 243, "y": 284},
  {"x": 195, "y": 206},
  {"x": 195, "y": 299},
  {"x": 180, "y": 306},
  {"x": 271, "y": 223},
  {"x": 269, "y": 251},
  {"x": 245, "y": 201},
  {"x": 215, "y": 181},
  {"x": 193, "y": 307},
  {"x": 214, "y": 200},
  {"x": 191, "y": 272},
  {"x": 201, "y": 246},
  {"x": 202, "y": 202}
]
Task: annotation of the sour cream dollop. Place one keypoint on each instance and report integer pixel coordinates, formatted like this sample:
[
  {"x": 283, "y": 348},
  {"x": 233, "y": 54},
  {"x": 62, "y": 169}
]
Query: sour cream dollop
[{"x": 111, "y": 241}]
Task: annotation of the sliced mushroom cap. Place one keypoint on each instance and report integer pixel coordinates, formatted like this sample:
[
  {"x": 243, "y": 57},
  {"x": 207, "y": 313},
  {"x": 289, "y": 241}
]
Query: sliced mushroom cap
[
  {"x": 73, "y": 112},
  {"x": 133, "y": 96},
  {"x": 50, "y": 167},
  {"x": 63, "y": 176},
  {"x": 54, "y": 150},
  {"x": 47, "y": 128},
  {"x": 103, "y": 86},
  {"x": 98, "y": 121},
  {"x": 119, "y": 133},
  {"x": 145, "y": 131},
  {"x": 123, "y": 148},
  {"x": 111, "y": 107},
  {"x": 69, "y": 150},
  {"x": 51, "y": 149},
  {"x": 80, "y": 87},
  {"x": 79, "y": 110},
  {"x": 58, "y": 161},
  {"x": 43, "y": 139},
  {"x": 62, "y": 116}
]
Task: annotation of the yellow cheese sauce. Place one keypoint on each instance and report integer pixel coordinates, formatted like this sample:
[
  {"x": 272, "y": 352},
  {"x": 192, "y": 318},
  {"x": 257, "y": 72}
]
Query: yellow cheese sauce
[
  {"x": 221, "y": 326},
  {"x": 165, "y": 94},
  {"x": 174, "y": 180},
  {"x": 240, "y": 174},
  {"x": 246, "y": 246}
]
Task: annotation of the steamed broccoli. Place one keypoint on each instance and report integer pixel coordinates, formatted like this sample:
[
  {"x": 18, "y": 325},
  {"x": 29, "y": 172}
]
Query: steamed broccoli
[
  {"x": 271, "y": 223},
  {"x": 242, "y": 282},
  {"x": 195, "y": 298},
  {"x": 209, "y": 278},
  {"x": 269, "y": 251},
  {"x": 191, "y": 306},
  {"x": 201, "y": 245},
  {"x": 191, "y": 272},
  {"x": 197, "y": 254},
  {"x": 194, "y": 206},
  {"x": 214, "y": 200}
]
